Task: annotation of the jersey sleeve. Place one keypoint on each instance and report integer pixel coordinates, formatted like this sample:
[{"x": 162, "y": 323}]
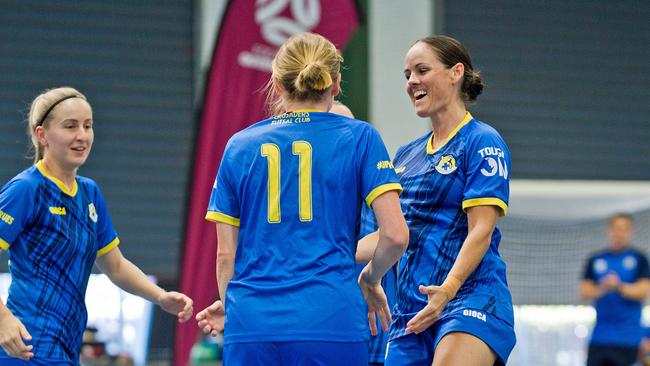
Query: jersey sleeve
[
  {"x": 588, "y": 273},
  {"x": 377, "y": 171},
  {"x": 107, "y": 238},
  {"x": 16, "y": 206},
  {"x": 488, "y": 176},
  {"x": 224, "y": 200},
  {"x": 643, "y": 269}
]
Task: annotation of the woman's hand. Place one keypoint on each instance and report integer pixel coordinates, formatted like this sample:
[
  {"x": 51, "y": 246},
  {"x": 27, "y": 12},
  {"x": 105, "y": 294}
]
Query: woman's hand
[
  {"x": 211, "y": 319},
  {"x": 177, "y": 304},
  {"x": 12, "y": 336},
  {"x": 437, "y": 300},
  {"x": 377, "y": 304}
]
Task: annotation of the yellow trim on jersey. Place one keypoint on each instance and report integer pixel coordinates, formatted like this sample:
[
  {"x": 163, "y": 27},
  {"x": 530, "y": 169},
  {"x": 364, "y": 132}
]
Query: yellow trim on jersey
[
  {"x": 308, "y": 110},
  {"x": 70, "y": 192},
  {"x": 220, "y": 217},
  {"x": 431, "y": 150},
  {"x": 487, "y": 201},
  {"x": 378, "y": 191},
  {"x": 108, "y": 247},
  {"x": 4, "y": 245}
]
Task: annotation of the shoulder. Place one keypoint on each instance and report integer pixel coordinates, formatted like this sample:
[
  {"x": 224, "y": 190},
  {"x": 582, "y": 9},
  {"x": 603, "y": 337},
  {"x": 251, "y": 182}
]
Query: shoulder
[
  {"x": 89, "y": 186},
  {"x": 87, "y": 183},
  {"x": 639, "y": 253},
  {"x": 356, "y": 126},
  {"x": 415, "y": 144},
  {"x": 27, "y": 180},
  {"x": 599, "y": 254},
  {"x": 478, "y": 130}
]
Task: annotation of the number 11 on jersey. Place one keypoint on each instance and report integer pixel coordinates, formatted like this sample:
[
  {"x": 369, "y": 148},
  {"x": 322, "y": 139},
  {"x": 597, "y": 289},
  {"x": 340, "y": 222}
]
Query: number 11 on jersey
[{"x": 303, "y": 150}]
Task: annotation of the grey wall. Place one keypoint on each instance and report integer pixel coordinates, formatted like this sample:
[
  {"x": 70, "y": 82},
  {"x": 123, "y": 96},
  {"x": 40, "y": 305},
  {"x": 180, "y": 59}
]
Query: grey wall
[
  {"x": 133, "y": 60},
  {"x": 567, "y": 83}
]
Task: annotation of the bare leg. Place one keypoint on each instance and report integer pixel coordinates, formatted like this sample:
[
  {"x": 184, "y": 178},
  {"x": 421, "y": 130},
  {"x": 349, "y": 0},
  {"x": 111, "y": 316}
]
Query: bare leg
[{"x": 457, "y": 348}]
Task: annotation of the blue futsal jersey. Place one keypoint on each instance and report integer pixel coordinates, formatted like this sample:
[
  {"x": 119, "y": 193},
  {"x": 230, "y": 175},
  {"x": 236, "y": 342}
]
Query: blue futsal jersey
[
  {"x": 471, "y": 169},
  {"x": 618, "y": 320},
  {"x": 53, "y": 236},
  {"x": 294, "y": 184}
]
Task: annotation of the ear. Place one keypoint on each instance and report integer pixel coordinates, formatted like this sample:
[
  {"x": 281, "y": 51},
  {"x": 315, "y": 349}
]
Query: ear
[
  {"x": 39, "y": 132},
  {"x": 336, "y": 87},
  {"x": 458, "y": 72}
]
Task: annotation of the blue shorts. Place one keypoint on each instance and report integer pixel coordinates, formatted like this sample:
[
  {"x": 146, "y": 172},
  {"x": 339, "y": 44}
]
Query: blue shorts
[
  {"x": 418, "y": 349},
  {"x": 305, "y": 353},
  {"x": 34, "y": 362}
]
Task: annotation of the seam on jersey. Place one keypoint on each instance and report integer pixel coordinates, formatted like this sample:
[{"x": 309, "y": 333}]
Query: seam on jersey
[
  {"x": 4, "y": 245},
  {"x": 468, "y": 117},
  {"x": 221, "y": 217},
  {"x": 378, "y": 191},
  {"x": 486, "y": 201},
  {"x": 108, "y": 247},
  {"x": 70, "y": 192}
]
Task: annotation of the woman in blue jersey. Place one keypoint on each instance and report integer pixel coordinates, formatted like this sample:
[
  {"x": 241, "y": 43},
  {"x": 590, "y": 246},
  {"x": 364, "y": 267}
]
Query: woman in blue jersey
[
  {"x": 287, "y": 201},
  {"x": 453, "y": 305},
  {"x": 55, "y": 226}
]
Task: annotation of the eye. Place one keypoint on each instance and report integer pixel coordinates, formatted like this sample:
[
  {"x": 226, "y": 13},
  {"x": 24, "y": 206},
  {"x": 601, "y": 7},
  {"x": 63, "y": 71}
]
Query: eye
[{"x": 407, "y": 75}]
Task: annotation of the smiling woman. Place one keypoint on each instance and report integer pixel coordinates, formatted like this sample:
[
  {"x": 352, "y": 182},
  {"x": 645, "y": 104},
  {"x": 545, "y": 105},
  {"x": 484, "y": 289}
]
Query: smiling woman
[
  {"x": 452, "y": 291},
  {"x": 55, "y": 226}
]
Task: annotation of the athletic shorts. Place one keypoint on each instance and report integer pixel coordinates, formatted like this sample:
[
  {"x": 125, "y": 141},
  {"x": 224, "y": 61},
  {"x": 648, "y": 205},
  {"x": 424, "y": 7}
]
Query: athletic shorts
[
  {"x": 601, "y": 355},
  {"x": 418, "y": 349},
  {"x": 305, "y": 353},
  {"x": 34, "y": 362}
]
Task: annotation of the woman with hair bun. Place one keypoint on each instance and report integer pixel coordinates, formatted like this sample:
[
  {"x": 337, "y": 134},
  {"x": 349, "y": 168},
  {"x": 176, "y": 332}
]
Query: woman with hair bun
[
  {"x": 287, "y": 202},
  {"x": 453, "y": 305}
]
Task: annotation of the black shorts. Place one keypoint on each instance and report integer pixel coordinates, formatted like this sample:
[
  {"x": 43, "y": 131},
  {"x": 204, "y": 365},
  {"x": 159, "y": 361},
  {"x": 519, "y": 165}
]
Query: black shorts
[{"x": 603, "y": 355}]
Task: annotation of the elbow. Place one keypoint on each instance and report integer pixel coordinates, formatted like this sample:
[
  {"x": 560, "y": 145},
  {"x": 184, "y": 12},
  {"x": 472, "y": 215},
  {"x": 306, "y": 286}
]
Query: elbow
[
  {"x": 398, "y": 236},
  {"x": 225, "y": 259}
]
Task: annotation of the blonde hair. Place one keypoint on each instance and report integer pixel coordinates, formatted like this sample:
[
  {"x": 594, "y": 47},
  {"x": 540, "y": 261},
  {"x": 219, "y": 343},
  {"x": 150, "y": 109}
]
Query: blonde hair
[
  {"x": 41, "y": 112},
  {"x": 306, "y": 65}
]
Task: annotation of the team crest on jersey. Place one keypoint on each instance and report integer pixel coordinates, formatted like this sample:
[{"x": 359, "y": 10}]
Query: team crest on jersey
[
  {"x": 92, "y": 213},
  {"x": 446, "y": 165},
  {"x": 629, "y": 262},
  {"x": 600, "y": 265}
]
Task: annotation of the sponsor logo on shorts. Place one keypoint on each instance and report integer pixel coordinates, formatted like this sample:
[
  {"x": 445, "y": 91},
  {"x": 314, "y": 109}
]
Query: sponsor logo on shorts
[{"x": 475, "y": 314}]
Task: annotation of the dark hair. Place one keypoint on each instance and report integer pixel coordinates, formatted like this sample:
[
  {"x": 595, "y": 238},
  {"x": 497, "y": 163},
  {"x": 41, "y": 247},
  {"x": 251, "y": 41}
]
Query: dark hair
[
  {"x": 620, "y": 215},
  {"x": 450, "y": 52}
]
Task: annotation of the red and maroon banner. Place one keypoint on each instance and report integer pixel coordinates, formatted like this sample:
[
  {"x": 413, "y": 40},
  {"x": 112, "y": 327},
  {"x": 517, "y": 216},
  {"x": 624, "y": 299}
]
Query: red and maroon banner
[{"x": 250, "y": 34}]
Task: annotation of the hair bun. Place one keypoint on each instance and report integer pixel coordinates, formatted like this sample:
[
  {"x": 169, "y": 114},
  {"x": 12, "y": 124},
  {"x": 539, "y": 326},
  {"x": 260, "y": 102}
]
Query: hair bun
[
  {"x": 314, "y": 76},
  {"x": 473, "y": 86}
]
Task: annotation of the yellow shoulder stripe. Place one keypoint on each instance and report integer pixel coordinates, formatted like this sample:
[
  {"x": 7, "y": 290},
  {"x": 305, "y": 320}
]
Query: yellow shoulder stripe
[
  {"x": 378, "y": 191},
  {"x": 487, "y": 201},
  {"x": 4, "y": 245},
  {"x": 108, "y": 247},
  {"x": 221, "y": 217}
]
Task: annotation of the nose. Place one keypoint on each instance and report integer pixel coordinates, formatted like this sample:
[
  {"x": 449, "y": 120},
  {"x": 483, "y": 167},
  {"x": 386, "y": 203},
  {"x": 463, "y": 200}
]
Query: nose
[
  {"x": 82, "y": 133},
  {"x": 412, "y": 79}
]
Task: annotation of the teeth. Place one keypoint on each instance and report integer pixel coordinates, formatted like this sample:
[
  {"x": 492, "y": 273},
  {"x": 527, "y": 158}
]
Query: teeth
[{"x": 419, "y": 93}]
